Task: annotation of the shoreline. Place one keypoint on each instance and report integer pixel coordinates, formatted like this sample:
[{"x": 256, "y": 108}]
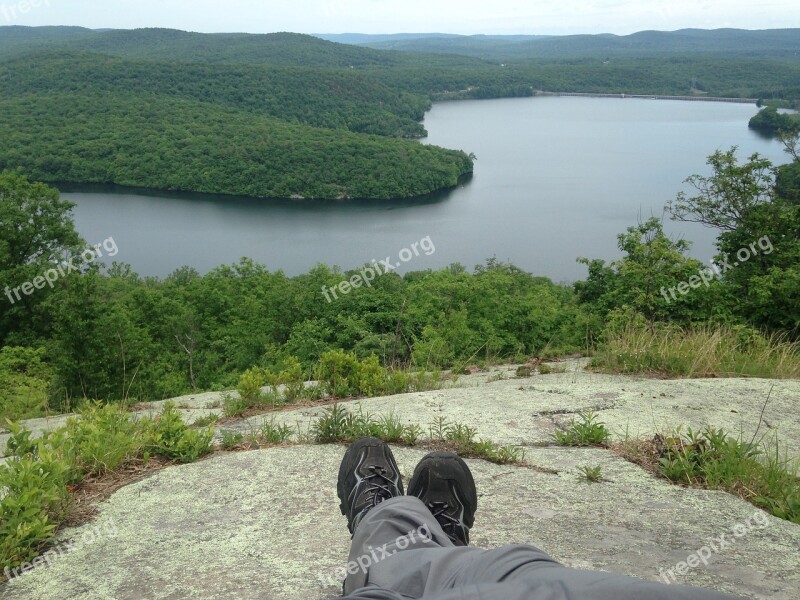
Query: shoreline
[
  {"x": 648, "y": 97},
  {"x": 77, "y": 187}
]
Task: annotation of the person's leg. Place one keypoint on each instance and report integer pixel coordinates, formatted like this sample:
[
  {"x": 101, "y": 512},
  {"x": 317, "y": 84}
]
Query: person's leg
[
  {"x": 401, "y": 551},
  {"x": 385, "y": 523}
]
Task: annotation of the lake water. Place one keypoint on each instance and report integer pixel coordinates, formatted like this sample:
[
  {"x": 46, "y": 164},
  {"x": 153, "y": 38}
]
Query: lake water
[{"x": 556, "y": 178}]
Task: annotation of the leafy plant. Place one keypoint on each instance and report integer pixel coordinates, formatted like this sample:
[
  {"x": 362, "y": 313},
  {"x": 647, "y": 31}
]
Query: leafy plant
[
  {"x": 273, "y": 433},
  {"x": 101, "y": 439},
  {"x": 171, "y": 438},
  {"x": 438, "y": 428},
  {"x": 586, "y": 430},
  {"x": 250, "y": 384},
  {"x": 33, "y": 501},
  {"x": 20, "y": 443},
  {"x": 231, "y": 439},
  {"x": 592, "y": 474}
]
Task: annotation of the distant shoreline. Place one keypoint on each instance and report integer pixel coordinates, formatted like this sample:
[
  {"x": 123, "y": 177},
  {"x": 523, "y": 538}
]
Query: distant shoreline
[{"x": 650, "y": 97}]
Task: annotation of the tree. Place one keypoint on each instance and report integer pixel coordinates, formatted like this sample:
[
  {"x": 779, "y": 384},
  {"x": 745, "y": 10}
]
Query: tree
[
  {"x": 36, "y": 232},
  {"x": 726, "y": 196},
  {"x": 759, "y": 245},
  {"x": 787, "y": 178},
  {"x": 646, "y": 277}
]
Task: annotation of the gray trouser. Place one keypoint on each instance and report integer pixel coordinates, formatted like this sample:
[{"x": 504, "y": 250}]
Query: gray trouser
[{"x": 399, "y": 551}]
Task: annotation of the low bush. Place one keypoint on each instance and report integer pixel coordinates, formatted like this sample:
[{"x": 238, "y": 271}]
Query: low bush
[
  {"x": 170, "y": 437},
  {"x": 34, "y": 482}
]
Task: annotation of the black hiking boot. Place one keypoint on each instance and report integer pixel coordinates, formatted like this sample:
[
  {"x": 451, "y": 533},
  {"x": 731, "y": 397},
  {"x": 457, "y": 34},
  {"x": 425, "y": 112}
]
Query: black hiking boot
[
  {"x": 444, "y": 483},
  {"x": 368, "y": 476}
]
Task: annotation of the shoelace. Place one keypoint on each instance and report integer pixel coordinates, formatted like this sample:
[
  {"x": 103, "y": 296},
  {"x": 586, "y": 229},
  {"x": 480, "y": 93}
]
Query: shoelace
[
  {"x": 376, "y": 490},
  {"x": 439, "y": 512}
]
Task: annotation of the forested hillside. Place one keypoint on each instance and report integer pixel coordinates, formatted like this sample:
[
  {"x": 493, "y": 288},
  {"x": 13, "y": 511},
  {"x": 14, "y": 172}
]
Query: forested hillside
[
  {"x": 337, "y": 99},
  {"x": 772, "y": 44},
  {"x": 294, "y": 115},
  {"x": 264, "y": 130},
  {"x": 188, "y": 145}
]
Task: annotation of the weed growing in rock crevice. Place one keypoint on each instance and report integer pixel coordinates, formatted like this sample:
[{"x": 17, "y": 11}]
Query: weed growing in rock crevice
[
  {"x": 586, "y": 430},
  {"x": 755, "y": 470},
  {"x": 337, "y": 424}
]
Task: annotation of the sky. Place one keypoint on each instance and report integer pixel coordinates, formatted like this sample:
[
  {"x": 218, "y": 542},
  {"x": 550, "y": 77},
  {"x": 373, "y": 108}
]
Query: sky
[{"x": 546, "y": 17}]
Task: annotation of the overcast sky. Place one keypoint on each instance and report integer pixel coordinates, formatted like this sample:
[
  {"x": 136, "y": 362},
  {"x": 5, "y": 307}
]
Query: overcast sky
[{"x": 396, "y": 16}]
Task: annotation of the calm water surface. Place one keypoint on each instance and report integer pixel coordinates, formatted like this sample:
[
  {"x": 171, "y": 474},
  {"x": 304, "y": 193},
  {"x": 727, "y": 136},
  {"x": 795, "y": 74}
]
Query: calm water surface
[{"x": 556, "y": 178}]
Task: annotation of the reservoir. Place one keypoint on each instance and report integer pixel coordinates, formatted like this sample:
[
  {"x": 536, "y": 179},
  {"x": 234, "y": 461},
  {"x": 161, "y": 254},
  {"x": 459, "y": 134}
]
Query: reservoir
[{"x": 556, "y": 178}]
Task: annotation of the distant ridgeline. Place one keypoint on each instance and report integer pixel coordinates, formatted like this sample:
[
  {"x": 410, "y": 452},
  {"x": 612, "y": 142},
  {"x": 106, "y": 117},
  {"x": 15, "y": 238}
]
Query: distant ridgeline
[{"x": 289, "y": 115}]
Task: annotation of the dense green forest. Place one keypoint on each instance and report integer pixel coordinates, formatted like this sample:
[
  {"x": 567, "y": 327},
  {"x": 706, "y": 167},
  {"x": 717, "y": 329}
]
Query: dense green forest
[
  {"x": 264, "y": 130},
  {"x": 181, "y": 144},
  {"x": 112, "y": 334},
  {"x": 318, "y": 97},
  {"x": 289, "y": 115}
]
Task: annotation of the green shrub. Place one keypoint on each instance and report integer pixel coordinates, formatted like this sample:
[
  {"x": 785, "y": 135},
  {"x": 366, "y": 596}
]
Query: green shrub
[
  {"x": 373, "y": 379},
  {"x": 20, "y": 443},
  {"x": 102, "y": 439},
  {"x": 170, "y": 437},
  {"x": 584, "y": 431},
  {"x": 25, "y": 382},
  {"x": 34, "y": 482},
  {"x": 33, "y": 502},
  {"x": 291, "y": 376},
  {"x": 250, "y": 384},
  {"x": 339, "y": 372}
]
